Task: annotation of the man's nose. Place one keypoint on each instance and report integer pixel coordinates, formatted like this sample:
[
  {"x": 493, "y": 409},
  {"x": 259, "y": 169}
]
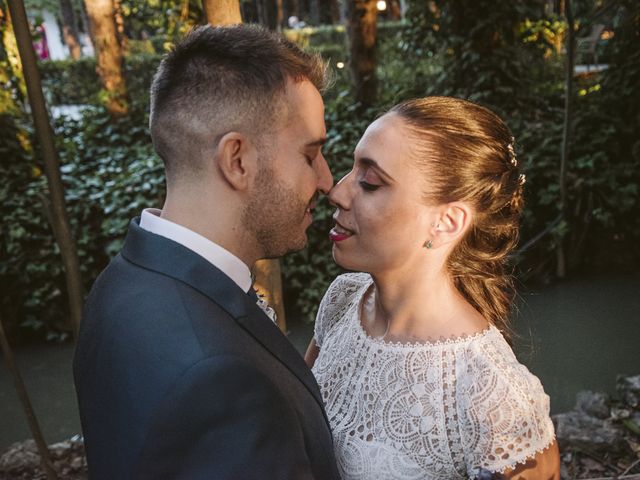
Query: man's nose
[{"x": 325, "y": 178}]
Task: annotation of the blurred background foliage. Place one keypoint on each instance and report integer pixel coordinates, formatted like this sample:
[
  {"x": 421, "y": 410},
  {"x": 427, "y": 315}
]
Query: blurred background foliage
[{"x": 508, "y": 56}]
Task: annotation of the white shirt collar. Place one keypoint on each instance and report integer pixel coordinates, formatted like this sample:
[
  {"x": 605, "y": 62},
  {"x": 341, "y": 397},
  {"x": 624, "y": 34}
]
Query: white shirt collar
[{"x": 221, "y": 258}]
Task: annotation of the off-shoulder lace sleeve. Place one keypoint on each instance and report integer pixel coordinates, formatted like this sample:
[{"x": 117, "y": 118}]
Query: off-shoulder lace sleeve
[
  {"x": 338, "y": 297},
  {"x": 503, "y": 411}
]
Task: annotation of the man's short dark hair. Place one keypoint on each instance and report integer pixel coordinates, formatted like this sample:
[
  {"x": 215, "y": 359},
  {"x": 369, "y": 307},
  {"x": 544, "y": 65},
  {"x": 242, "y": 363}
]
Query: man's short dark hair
[{"x": 222, "y": 79}]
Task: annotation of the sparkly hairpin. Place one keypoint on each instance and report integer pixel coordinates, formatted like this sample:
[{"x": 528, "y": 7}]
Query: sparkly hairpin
[
  {"x": 512, "y": 154},
  {"x": 522, "y": 179}
]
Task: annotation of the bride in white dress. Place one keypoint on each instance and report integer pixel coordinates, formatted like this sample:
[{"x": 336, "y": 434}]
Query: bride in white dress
[{"x": 411, "y": 357}]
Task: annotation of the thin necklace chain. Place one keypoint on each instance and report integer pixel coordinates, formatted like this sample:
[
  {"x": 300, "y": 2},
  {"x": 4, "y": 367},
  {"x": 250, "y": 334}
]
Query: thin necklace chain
[{"x": 370, "y": 301}]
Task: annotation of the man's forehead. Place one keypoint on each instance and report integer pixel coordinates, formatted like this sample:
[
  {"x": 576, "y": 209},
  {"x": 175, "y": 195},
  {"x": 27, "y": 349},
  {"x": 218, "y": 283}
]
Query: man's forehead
[{"x": 305, "y": 113}]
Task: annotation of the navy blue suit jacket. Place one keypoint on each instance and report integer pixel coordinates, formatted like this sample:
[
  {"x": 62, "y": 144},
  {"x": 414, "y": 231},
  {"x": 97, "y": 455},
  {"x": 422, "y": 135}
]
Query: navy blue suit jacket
[{"x": 180, "y": 375}]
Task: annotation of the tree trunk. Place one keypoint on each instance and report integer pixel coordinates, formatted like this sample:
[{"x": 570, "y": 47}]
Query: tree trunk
[
  {"x": 361, "y": 34},
  {"x": 70, "y": 29},
  {"x": 290, "y": 8},
  {"x": 119, "y": 19},
  {"x": 184, "y": 11},
  {"x": 314, "y": 14},
  {"x": 304, "y": 9},
  {"x": 279, "y": 15},
  {"x": 15, "y": 65},
  {"x": 328, "y": 11},
  {"x": 561, "y": 267},
  {"x": 268, "y": 13},
  {"x": 45, "y": 459},
  {"x": 84, "y": 18},
  {"x": 268, "y": 283},
  {"x": 222, "y": 12},
  {"x": 325, "y": 12},
  {"x": 460, "y": 19},
  {"x": 334, "y": 12},
  {"x": 60, "y": 222},
  {"x": 395, "y": 9},
  {"x": 108, "y": 54}
]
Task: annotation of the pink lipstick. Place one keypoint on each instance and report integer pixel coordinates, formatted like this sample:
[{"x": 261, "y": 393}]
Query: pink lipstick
[
  {"x": 338, "y": 237},
  {"x": 339, "y": 233}
]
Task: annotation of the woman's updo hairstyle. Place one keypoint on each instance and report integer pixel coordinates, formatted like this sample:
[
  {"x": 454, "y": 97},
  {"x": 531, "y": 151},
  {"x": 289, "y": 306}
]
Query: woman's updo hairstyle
[{"x": 467, "y": 153}]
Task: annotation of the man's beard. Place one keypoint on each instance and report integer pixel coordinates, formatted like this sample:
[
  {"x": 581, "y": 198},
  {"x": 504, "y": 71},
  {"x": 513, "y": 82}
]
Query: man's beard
[{"x": 275, "y": 216}]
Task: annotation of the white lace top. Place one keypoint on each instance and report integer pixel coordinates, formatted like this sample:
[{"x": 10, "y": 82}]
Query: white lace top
[{"x": 438, "y": 410}]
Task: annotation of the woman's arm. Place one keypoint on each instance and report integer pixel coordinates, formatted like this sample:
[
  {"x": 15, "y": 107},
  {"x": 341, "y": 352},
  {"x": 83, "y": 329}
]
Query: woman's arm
[
  {"x": 544, "y": 466},
  {"x": 312, "y": 353}
]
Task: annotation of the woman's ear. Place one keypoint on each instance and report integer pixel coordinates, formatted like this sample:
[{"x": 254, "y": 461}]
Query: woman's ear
[
  {"x": 236, "y": 160},
  {"x": 453, "y": 221}
]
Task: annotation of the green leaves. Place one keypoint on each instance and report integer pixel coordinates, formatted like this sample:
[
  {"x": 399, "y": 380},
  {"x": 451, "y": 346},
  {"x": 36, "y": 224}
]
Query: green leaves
[{"x": 111, "y": 172}]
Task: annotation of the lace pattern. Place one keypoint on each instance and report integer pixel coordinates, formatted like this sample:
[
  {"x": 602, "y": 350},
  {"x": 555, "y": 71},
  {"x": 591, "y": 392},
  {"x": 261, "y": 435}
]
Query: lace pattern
[{"x": 423, "y": 410}]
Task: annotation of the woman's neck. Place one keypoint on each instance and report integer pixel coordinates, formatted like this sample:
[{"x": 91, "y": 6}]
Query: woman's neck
[{"x": 421, "y": 304}]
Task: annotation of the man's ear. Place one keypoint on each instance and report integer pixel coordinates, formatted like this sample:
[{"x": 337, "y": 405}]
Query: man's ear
[
  {"x": 236, "y": 160},
  {"x": 453, "y": 221}
]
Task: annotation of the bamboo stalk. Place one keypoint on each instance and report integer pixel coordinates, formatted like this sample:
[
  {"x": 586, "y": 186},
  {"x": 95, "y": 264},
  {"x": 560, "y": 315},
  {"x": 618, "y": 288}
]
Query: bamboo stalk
[
  {"x": 60, "y": 223},
  {"x": 566, "y": 132},
  {"x": 45, "y": 460}
]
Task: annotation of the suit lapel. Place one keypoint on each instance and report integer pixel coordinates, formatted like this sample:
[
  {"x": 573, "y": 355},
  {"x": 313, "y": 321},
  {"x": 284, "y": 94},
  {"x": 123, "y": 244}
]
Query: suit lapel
[
  {"x": 167, "y": 257},
  {"x": 260, "y": 327}
]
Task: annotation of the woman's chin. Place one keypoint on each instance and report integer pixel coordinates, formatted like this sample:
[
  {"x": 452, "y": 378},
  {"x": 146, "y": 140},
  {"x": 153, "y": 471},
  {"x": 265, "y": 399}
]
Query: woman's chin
[
  {"x": 335, "y": 255},
  {"x": 338, "y": 257},
  {"x": 343, "y": 260}
]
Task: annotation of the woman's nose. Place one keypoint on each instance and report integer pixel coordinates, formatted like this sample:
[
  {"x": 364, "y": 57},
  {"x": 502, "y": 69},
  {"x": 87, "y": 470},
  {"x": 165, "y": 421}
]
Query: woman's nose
[{"x": 339, "y": 195}]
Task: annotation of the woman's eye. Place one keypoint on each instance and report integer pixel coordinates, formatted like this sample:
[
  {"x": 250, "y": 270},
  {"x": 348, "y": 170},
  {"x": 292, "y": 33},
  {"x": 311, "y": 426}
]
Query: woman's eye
[{"x": 368, "y": 187}]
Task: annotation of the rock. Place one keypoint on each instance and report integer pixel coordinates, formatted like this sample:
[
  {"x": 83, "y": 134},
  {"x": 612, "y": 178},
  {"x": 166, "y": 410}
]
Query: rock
[
  {"x": 21, "y": 461},
  {"x": 629, "y": 390},
  {"x": 20, "y": 456},
  {"x": 577, "y": 430},
  {"x": 78, "y": 463},
  {"x": 60, "y": 449},
  {"x": 593, "y": 403},
  {"x": 618, "y": 413},
  {"x": 592, "y": 465}
]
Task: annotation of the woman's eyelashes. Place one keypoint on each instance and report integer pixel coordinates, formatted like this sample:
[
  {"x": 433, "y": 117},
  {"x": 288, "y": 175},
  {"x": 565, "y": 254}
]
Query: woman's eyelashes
[
  {"x": 369, "y": 187},
  {"x": 369, "y": 181}
]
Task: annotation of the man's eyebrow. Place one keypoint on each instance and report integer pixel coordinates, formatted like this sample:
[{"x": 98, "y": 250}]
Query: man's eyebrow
[
  {"x": 373, "y": 164},
  {"x": 317, "y": 143}
]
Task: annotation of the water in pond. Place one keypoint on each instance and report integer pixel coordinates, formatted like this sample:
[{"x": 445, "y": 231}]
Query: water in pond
[
  {"x": 575, "y": 335},
  {"x": 579, "y": 334}
]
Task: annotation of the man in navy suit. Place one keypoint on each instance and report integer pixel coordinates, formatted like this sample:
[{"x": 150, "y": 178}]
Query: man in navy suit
[{"x": 179, "y": 373}]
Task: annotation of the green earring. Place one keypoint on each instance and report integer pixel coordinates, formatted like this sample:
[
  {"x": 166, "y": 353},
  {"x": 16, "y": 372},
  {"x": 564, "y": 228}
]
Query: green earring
[{"x": 428, "y": 244}]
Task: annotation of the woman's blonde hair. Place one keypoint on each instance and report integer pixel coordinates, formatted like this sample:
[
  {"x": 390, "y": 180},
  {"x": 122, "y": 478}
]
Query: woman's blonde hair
[{"x": 468, "y": 154}]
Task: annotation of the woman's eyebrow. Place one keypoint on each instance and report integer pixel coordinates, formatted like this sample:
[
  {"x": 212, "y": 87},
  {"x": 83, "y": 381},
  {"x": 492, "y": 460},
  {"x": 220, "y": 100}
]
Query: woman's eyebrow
[{"x": 373, "y": 164}]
